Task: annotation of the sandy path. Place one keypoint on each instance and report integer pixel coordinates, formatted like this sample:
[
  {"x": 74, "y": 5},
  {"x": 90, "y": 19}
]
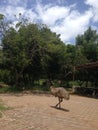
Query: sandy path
[{"x": 36, "y": 112}]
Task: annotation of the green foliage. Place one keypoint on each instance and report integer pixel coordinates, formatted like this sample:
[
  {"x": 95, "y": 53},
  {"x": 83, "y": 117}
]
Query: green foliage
[
  {"x": 1, "y": 16},
  {"x": 89, "y": 44},
  {"x": 73, "y": 83},
  {"x": 31, "y": 52},
  {"x": 54, "y": 60},
  {"x": 4, "y": 76},
  {"x": 2, "y": 108}
]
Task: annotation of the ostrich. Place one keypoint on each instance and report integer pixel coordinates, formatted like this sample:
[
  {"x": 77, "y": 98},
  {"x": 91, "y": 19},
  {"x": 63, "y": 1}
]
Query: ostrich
[{"x": 61, "y": 93}]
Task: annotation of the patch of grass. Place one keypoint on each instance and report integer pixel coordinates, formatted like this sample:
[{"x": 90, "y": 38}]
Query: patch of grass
[
  {"x": 0, "y": 114},
  {"x": 3, "y": 87},
  {"x": 4, "y": 90},
  {"x": 2, "y": 108},
  {"x": 10, "y": 89}
]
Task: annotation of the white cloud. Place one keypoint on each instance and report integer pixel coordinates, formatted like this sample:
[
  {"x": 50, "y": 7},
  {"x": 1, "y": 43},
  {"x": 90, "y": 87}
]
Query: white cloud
[
  {"x": 31, "y": 15},
  {"x": 10, "y": 12},
  {"x": 50, "y": 14},
  {"x": 73, "y": 24},
  {"x": 15, "y": 3},
  {"x": 64, "y": 20},
  {"x": 94, "y": 7}
]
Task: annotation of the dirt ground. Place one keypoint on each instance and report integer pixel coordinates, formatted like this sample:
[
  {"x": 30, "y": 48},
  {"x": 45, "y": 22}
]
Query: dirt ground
[{"x": 37, "y": 112}]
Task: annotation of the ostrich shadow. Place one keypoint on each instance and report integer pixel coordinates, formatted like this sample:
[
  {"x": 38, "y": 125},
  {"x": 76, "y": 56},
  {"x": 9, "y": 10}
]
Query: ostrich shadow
[{"x": 62, "y": 109}]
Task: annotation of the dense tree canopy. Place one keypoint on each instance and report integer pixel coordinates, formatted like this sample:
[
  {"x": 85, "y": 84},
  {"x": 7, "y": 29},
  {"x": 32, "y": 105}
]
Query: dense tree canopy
[
  {"x": 89, "y": 44},
  {"x": 31, "y": 52}
]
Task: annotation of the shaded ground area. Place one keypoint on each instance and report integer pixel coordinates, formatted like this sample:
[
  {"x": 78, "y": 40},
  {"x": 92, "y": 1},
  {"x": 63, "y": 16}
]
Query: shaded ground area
[{"x": 37, "y": 112}]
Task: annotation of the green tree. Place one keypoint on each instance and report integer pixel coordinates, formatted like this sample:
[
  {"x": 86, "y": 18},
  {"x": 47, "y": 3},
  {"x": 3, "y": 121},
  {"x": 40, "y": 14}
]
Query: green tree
[
  {"x": 4, "y": 25},
  {"x": 89, "y": 42}
]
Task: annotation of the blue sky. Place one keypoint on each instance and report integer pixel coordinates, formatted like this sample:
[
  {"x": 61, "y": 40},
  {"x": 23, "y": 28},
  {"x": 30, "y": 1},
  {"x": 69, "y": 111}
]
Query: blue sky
[{"x": 65, "y": 17}]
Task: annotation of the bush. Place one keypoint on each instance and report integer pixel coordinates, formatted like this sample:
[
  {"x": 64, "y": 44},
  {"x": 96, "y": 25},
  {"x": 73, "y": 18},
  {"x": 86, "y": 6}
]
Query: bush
[
  {"x": 5, "y": 76},
  {"x": 87, "y": 91}
]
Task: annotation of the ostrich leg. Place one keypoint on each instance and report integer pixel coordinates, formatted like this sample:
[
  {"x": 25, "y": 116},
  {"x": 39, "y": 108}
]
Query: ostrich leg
[{"x": 60, "y": 100}]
